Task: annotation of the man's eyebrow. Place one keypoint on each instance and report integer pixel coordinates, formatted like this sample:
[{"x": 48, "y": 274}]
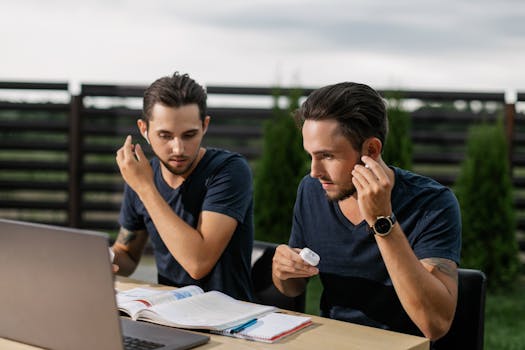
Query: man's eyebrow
[{"x": 321, "y": 151}]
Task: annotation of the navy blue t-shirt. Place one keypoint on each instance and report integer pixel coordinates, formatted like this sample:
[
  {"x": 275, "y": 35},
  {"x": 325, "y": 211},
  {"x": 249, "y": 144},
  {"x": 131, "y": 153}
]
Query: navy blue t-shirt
[
  {"x": 221, "y": 182},
  {"x": 357, "y": 287}
]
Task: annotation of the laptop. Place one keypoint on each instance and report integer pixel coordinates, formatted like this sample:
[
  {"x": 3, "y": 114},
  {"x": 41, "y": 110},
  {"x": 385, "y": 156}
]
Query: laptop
[{"x": 58, "y": 293}]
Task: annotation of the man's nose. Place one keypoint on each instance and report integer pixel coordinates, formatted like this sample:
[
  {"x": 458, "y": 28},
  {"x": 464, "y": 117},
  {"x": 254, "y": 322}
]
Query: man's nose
[
  {"x": 177, "y": 146},
  {"x": 315, "y": 169}
]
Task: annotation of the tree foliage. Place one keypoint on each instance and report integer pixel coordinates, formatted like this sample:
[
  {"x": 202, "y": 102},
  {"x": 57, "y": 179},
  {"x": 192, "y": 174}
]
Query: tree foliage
[
  {"x": 485, "y": 193},
  {"x": 278, "y": 173},
  {"x": 397, "y": 150}
]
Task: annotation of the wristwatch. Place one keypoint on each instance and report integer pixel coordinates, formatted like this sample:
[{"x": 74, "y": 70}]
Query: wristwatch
[{"x": 383, "y": 225}]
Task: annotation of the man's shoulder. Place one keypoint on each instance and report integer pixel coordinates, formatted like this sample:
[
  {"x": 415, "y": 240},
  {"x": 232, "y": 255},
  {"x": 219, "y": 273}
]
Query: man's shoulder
[
  {"x": 414, "y": 188},
  {"x": 221, "y": 156},
  {"x": 310, "y": 188},
  {"x": 310, "y": 182},
  {"x": 224, "y": 163},
  {"x": 410, "y": 179}
]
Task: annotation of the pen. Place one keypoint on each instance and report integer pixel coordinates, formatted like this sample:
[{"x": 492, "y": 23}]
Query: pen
[{"x": 243, "y": 326}]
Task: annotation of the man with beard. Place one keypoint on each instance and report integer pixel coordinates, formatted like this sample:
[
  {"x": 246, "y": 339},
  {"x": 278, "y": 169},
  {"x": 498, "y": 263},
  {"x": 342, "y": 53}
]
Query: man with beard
[
  {"x": 194, "y": 203},
  {"x": 388, "y": 239}
]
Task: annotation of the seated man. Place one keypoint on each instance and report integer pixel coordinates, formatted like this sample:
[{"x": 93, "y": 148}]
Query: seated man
[
  {"x": 195, "y": 204},
  {"x": 389, "y": 240}
]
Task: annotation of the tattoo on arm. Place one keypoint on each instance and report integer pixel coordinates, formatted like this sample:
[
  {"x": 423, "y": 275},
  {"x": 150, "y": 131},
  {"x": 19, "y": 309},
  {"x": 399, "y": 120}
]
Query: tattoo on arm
[
  {"x": 125, "y": 237},
  {"x": 445, "y": 266}
]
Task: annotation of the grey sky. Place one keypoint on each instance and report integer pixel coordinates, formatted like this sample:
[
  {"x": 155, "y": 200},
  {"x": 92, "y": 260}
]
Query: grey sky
[{"x": 446, "y": 44}]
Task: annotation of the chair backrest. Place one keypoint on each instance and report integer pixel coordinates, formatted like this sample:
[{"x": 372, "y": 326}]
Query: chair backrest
[
  {"x": 265, "y": 292},
  {"x": 468, "y": 327}
]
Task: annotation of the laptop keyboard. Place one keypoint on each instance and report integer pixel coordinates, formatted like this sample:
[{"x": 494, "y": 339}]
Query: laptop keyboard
[{"x": 131, "y": 343}]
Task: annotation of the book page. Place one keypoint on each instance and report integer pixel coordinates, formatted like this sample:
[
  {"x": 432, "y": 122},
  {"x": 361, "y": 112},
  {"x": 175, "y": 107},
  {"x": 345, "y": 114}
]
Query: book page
[
  {"x": 134, "y": 300},
  {"x": 211, "y": 310}
]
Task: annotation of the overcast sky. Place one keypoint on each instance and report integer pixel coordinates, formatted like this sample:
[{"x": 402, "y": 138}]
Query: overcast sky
[{"x": 410, "y": 44}]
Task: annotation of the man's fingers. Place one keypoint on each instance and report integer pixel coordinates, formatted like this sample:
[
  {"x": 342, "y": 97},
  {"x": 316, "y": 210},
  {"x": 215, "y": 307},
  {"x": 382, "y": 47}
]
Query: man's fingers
[
  {"x": 127, "y": 149},
  {"x": 289, "y": 264},
  {"x": 139, "y": 152}
]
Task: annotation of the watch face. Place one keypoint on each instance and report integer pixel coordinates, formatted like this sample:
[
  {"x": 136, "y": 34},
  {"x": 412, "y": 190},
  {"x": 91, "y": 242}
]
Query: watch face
[{"x": 382, "y": 225}]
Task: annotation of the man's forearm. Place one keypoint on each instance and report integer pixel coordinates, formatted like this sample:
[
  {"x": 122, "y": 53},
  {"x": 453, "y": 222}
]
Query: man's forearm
[{"x": 429, "y": 298}]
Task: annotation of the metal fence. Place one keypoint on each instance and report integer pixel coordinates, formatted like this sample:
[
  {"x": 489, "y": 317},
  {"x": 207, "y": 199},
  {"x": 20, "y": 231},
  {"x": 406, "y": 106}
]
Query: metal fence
[{"x": 57, "y": 159}]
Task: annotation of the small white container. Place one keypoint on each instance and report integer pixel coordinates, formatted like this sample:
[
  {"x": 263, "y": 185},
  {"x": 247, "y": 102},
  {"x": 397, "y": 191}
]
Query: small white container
[{"x": 309, "y": 256}]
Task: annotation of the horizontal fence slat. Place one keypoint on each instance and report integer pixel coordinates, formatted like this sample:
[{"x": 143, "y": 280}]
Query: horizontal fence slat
[
  {"x": 47, "y": 205},
  {"x": 20, "y": 85},
  {"x": 433, "y": 137},
  {"x": 32, "y": 165},
  {"x": 31, "y": 145},
  {"x": 437, "y": 158},
  {"x": 112, "y": 90},
  {"x": 24, "y": 106},
  {"x": 33, "y": 125},
  {"x": 34, "y": 185}
]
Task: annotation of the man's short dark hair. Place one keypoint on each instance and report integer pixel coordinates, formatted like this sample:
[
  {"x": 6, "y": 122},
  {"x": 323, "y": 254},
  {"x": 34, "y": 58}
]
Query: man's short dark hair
[
  {"x": 175, "y": 91},
  {"x": 359, "y": 109}
]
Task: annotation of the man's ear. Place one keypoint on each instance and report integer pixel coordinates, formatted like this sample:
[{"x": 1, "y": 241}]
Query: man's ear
[
  {"x": 205, "y": 124},
  {"x": 143, "y": 129},
  {"x": 372, "y": 147}
]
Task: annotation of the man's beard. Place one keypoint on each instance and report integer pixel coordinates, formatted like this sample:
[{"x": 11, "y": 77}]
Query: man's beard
[
  {"x": 175, "y": 171},
  {"x": 342, "y": 195}
]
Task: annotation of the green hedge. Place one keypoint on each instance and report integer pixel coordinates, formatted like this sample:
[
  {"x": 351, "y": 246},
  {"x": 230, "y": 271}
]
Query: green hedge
[
  {"x": 485, "y": 193},
  {"x": 278, "y": 173},
  {"x": 397, "y": 150}
]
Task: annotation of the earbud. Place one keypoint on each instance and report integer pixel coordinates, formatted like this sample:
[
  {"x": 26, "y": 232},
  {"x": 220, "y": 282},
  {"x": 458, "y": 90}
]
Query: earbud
[{"x": 146, "y": 136}]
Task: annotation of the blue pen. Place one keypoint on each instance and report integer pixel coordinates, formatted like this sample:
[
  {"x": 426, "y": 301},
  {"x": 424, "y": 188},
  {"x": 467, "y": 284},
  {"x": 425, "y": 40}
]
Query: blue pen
[{"x": 243, "y": 326}]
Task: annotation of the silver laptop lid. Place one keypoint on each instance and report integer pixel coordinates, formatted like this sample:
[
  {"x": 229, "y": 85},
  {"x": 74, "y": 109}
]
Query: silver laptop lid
[{"x": 38, "y": 308}]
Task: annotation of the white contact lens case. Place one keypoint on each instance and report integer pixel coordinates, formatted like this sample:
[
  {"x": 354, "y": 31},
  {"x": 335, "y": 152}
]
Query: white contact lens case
[{"x": 309, "y": 256}]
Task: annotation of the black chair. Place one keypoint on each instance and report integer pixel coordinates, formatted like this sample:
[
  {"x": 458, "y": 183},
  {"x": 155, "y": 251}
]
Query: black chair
[
  {"x": 265, "y": 292},
  {"x": 467, "y": 330}
]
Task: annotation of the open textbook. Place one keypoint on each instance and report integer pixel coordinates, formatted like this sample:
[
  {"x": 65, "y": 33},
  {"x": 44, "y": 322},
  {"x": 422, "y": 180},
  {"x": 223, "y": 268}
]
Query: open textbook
[{"x": 188, "y": 307}]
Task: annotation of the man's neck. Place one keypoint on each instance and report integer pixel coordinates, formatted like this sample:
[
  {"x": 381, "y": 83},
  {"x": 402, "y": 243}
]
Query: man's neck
[{"x": 350, "y": 209}]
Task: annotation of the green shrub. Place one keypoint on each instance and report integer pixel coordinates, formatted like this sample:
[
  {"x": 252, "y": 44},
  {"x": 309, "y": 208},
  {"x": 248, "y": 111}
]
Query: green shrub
[
  {"x": 485, "y": 193},
  {"x": 278, "y": 173},
  {"x": 397, "y": 150}
]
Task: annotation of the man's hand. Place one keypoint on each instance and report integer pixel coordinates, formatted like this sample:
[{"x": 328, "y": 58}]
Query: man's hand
[
  {"x": 290, "y": 272},
  {"x": 287, "y": 263},
  {"x": 374, "y": 188},
  {"x": 134, "y": 166}
]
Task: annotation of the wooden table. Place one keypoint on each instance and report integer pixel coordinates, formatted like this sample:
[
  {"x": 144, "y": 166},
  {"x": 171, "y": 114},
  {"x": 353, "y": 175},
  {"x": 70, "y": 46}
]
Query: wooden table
[{"x": 324, "y": 334}]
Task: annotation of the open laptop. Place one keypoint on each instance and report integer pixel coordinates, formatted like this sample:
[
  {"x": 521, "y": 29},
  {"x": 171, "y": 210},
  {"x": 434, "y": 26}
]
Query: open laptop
[{"x": 57, "y": 292}]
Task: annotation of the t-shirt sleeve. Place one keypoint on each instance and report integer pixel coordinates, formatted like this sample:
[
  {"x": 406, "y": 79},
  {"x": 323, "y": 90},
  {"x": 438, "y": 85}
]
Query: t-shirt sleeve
[
  {"x": 440, "y": 230},
  {"x": 230, "y": 190},
  {"x": 129, "y": 218}
]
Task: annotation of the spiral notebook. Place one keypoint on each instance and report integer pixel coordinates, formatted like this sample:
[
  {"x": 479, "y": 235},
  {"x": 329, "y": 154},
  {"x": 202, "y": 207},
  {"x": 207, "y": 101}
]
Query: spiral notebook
[{"x": 271, "y": 327}]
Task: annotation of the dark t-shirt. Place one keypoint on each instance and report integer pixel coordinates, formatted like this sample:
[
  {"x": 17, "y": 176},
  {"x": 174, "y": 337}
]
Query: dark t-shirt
[
  {"x": 221, "y": 182},
  {"x": 357, "y": 287}
]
